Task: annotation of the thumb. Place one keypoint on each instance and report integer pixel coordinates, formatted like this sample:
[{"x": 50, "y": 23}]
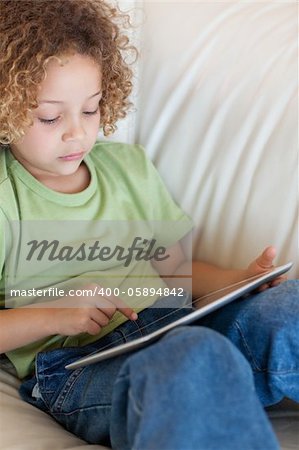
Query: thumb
[{"x": 265, "y": 260}]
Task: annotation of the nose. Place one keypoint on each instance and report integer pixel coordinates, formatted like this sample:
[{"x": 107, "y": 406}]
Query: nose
[{"x": 74, "y": 131}]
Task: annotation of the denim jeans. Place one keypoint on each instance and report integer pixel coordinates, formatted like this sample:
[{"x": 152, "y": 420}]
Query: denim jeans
[{"x": 199, "y": 387}]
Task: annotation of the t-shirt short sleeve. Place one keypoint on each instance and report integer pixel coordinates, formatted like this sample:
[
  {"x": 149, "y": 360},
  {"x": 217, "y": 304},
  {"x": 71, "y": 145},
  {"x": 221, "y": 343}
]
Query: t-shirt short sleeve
[
  {"x": 132, "y": 177},
  {"x": 3, "y": 229},
  {"x": 170, "y": 222}
]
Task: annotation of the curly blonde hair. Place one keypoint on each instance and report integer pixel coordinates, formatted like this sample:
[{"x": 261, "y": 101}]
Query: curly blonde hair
[{"x": 33, "y": 31}]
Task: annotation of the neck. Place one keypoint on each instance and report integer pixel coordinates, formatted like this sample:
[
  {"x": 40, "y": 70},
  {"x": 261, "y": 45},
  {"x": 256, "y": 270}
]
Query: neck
[{"x": 68, "y": 184}]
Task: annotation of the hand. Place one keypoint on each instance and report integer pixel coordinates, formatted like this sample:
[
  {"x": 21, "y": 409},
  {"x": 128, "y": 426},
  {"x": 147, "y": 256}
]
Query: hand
[
  {"x": 86, "y": 314},
  {"x": 264, "y": 263}
]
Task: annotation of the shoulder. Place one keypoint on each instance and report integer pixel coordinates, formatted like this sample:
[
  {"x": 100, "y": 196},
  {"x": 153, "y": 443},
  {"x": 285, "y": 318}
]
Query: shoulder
[
  {"x": 120, "y": 153},
  {"x": 127, "y": 163},
  {"x": 3, "y": 166},
  {"x": 8, "y": 206}
]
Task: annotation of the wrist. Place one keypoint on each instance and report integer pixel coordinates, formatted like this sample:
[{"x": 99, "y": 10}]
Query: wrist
[
  {"x": 240, "y": 275},
  {"x": 49, "y": 321},
  {"x": 45, "y": 317}
]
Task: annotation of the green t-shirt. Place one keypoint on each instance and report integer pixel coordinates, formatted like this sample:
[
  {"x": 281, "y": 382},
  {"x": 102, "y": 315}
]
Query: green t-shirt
[{"x": 125, "y": 196}]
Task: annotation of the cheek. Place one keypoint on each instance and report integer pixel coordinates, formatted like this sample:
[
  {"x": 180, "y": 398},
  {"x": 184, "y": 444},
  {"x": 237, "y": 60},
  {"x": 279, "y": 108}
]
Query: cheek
[
  {"x": 35, "y": 140},
  {"x": 94, "y": 125},
  {"x": 34, "y": 135}
]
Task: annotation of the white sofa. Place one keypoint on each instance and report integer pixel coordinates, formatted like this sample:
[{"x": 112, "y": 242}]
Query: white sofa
[{"x": 216, "y": 109}]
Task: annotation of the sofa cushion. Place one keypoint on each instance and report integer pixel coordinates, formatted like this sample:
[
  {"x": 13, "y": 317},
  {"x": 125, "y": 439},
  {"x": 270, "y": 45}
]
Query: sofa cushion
[
  {"x": 24, "y": 427},
  {"x": 217, "y": 112}
]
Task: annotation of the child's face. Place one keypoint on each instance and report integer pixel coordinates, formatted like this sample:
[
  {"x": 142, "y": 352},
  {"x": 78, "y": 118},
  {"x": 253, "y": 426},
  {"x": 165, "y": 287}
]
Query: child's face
[{"x": 66, "y": 122}]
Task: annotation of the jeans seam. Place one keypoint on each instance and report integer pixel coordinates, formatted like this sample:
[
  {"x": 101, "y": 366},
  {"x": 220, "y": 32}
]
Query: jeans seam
[
  {"x": 137, "y": 408},
  {"x": 247, "y": 348},
  {"x": 66, "y": 388},
  {"x": 256, "y": 367},
  {"x": 41, "y": 381},
  {"x": 79, "y": 410}
]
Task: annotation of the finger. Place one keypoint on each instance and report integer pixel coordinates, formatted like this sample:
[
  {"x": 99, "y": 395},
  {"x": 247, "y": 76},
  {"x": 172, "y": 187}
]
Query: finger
[
  {"x": 100, "y": 317},
  {"x": 95, "y": 325},
  {"x": 263, "y": 287},
  {"x": 277, "y": 281},
  {"x": 123, "y": 307},
  {"x": 105, "y": 305},
  {"x": 265, "y": 260},
  {"x": 120, "y": 305},
  {"x": 93, "y": 328},
  {"x": 101, "y": 302}
]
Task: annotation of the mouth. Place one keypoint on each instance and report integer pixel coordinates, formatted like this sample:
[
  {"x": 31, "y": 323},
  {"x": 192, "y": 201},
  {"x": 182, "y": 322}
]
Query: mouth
[{"x": 72, "y": 156}]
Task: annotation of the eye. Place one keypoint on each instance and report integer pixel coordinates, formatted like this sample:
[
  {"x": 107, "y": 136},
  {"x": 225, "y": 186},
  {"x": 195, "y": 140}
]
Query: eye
[
  {"x": 48, "y": 121},
  {"x": 90, "y": 113}
]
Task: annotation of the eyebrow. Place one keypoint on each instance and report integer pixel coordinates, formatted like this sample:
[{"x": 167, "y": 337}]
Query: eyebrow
[{"x": 56, "y": 101}]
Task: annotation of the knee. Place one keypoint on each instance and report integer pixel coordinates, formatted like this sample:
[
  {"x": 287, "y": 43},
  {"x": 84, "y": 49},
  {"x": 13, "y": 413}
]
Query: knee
[
  {"x": 289, "y": 289},
  {"x": 189, "y": 353},
  {"x": 272, "y": 311},
  {"x": 204, "y": 351},
  {"x": 277, "y": 308},
  {"x": 196, "y": 343},
  {"x": 265, "y": 327}
]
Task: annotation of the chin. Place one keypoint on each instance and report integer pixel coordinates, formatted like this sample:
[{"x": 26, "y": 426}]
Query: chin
[{"x": 70, "y": 168}]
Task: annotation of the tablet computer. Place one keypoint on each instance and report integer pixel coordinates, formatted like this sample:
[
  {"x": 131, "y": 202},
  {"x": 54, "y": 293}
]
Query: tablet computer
[{"x": 204, "y": 305}]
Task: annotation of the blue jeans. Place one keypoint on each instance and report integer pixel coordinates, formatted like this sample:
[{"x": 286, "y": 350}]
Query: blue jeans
[{"x": 200, "y": 387}]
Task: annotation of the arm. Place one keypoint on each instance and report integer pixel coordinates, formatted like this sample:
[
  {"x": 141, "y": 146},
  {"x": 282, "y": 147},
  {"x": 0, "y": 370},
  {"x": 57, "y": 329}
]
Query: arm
[
  {"x": 206, "y": 277},
  {"x": 65, "y": 316},
  {"x": 21, "y": 326}
]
